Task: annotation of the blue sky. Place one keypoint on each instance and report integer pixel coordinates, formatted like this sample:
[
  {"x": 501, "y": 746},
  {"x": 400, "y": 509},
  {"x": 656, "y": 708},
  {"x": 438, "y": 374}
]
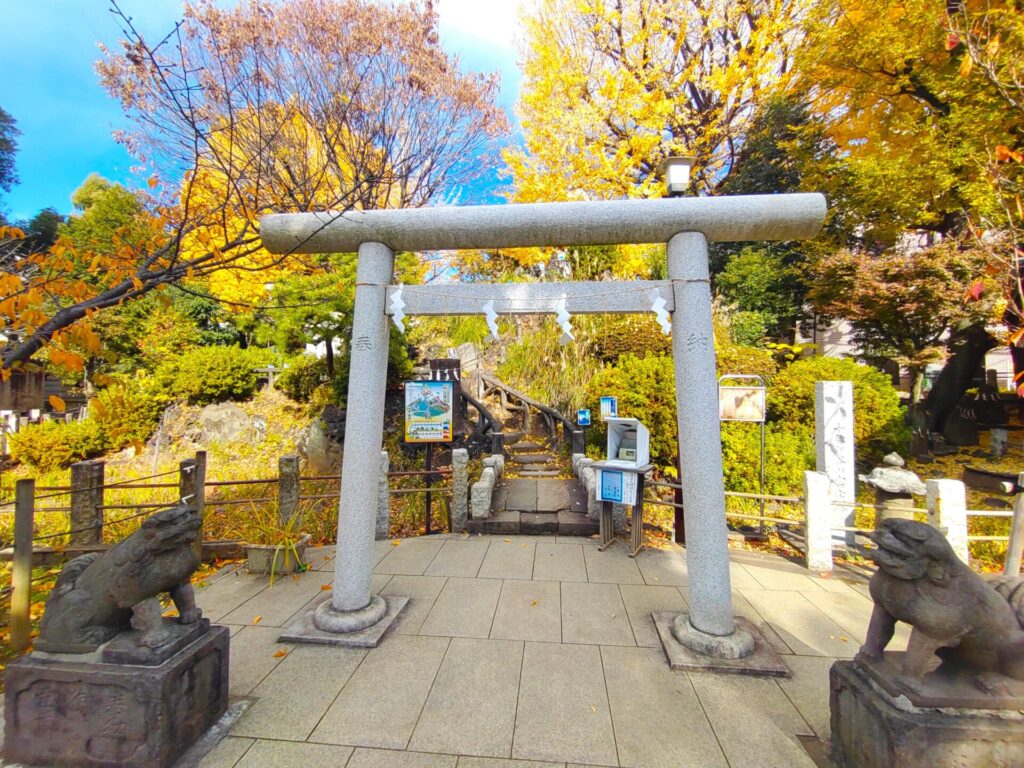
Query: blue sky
[{"x": 66, "y": 119}]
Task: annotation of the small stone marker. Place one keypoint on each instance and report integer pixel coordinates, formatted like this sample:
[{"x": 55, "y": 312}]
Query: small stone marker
[{"x": 833, "y": 435}]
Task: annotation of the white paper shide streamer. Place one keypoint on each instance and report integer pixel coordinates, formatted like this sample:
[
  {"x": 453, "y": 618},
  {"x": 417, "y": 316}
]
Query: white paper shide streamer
[
  {"x": 563, "y": 317},
  {"x": 492, "y": 319},
  {"x": 658, "y": 308},
  {"x": 397, "y": 305}
]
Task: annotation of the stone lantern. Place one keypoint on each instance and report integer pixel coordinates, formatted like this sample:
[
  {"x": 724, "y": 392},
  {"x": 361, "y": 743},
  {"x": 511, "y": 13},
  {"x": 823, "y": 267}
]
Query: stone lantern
[{"x": 895, "y": 488}]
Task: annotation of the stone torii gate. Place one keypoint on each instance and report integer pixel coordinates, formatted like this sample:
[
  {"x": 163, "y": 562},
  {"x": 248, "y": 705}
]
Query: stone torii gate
[{"x": 354, "y": 616}]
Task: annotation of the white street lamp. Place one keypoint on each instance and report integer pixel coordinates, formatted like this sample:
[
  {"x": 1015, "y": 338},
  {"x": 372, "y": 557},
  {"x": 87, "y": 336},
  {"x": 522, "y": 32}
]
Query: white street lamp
[{"x": 676, "y": 171}]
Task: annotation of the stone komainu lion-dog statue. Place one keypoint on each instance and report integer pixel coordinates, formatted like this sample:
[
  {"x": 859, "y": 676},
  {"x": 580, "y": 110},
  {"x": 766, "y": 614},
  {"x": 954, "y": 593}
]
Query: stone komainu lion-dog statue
[
  {"x": 99, "y": 595},
  {"x": 970, "y": 623}
]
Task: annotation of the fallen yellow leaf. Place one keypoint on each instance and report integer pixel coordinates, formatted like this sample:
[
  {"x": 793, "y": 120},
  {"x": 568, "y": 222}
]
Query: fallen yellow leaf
[
  {"x": 257, "y": 619},
  {"x": 396, "y": 542},
  {"x": 326, "y": 586},
  {"x": 281, "y": 654},
  {"x": 533, "y": 603}
]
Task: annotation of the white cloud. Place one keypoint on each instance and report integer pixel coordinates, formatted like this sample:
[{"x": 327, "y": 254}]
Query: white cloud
[{"x": 494, "y": 22}]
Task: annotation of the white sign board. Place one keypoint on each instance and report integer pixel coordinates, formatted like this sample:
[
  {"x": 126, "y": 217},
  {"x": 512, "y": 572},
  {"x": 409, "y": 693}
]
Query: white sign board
[
  {"x": 617, "y": 486},
  {"x": 609, "y": 407},
  {"x": 741, "y": 403}
]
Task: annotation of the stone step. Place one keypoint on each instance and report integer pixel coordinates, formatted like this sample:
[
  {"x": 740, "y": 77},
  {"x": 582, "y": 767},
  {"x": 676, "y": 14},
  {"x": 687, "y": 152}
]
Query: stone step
[
  {"x": 539, "y": 473},
  {"x": 507, "y": 523},
  {"x": 526, "y": 446},
  {"x": 532, "y": 458},
  {"x": 538, "y": 523},
  {"x": 510, "y": 436}
]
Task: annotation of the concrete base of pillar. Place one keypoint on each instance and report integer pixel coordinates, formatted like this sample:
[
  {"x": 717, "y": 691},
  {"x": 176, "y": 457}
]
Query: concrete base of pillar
[
  {"x": 305, "y": 629},
  {"x": 761, "y": 661}
]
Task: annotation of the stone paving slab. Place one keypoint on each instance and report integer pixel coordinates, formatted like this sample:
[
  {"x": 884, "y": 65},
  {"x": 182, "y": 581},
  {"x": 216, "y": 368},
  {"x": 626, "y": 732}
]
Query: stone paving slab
[
  {"x": 528, "y": 610},
  {"x": 559, "y": 562},
  {"x": 494, "y": 762},
  {"x": 658, "y": 719},
  {"x": 662, "y": 567},
  {"x": 521, "y": 495},
  {"x": 641, "y": 601},
  {"x": 382, "y": 758},
  {"x": 508, "y": 559},
  {"x": 613, "y": 566},
  {"x": 808, "y": 690},
  {"x": 465, "y": 608},
  {"x": 594, "y": 613},
  {"x": 229, "y": 592},
  {"x": 422, "y": 591},
  {"x": 471, "y": 708},
  {"x": 251, "y": 657},
  {"x": 801, "y": 625},
  {"x": 287, "y": 754},
  {"x": 755, "y": 723},
  {"x": 563, "y": 706},
  {"x": 410, "y": 557},
  {"x": 552, "y": 495},
  {"x": 227, "y": 753},
  {"x": 380, "y": 704},
  {"x": 276, "y": 604},
  {"x": 458, "y": 558},
  {"x": 292, "y": 698}
]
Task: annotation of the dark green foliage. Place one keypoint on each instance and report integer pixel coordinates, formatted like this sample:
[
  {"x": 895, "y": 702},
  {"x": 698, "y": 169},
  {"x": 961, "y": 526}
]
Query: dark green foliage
[
  {"x": 53, "y": 444},
  {"x": 646, "y": 390},
  {"x": 761, "y": 285},
  {"x": 128, "y": 411},
  {"x": 211, "y": 374},
  {"x": 789, "y": 450},
  {"x": 8, "y": 148},
  {"x": 638, "y": 335},
  {"x": 41, "y": 230},
  {"x": 302, "y": 376},
  {"x": 399, "y": 367},
  {"x": 878, "y": 416},
  {"x": 736, "y": 358}
]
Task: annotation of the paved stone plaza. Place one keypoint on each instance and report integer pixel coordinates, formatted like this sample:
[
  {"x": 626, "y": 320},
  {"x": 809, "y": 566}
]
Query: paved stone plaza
[{"x": 523, "y": 652}]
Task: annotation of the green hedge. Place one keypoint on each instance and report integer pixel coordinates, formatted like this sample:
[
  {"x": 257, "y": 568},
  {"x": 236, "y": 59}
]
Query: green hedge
[
  {"x": 207, "y": 375},
  {"x": 302, "y": 377},
  {"x": 878, "y": 425},
  {"x": 54, "y": 444}
]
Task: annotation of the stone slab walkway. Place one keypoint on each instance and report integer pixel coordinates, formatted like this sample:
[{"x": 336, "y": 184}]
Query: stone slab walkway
[
  {"x": 534, "y": 506},
  {"x": 527, "y": 652}
]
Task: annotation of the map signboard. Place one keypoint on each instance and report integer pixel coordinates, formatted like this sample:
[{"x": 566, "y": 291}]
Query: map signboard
[
  {"x": 583, "y": 417},
  {"x": 616, "y": 486},
  {"x": 609, "y": 407},
  {"x": 429, "y": 410}
]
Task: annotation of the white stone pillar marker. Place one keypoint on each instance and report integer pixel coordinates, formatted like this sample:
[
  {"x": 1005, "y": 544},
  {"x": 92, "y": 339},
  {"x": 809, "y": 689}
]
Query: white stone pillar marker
[
  {"x": 817, "y": 522},
  {"x": 834, "y": 443},
  {"x": 710, "y": 620},
  {"x": 351, "y": 607},
  {"x": 383, "y": 498},
  {"x": 460, "y": 488},
  {"x": 946, "y": 501}
]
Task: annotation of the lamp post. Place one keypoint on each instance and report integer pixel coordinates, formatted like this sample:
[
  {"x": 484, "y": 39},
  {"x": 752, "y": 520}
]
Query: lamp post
[{"x": 676, "y": 172}]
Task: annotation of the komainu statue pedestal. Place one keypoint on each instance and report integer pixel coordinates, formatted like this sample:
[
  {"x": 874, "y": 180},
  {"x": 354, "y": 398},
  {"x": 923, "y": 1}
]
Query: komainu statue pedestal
[
  {"x": 942, "y": 724},
  {"x": 97, "y": 709}
]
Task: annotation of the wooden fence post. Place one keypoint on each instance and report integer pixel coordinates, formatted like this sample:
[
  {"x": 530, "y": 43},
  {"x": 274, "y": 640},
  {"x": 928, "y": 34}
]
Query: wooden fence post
[
  {"x": 287, "y": 490},
  {"x": 21, "y": 572},
  {"x": 1015, "y": 546},
  {"x": 87, "y": 502}
]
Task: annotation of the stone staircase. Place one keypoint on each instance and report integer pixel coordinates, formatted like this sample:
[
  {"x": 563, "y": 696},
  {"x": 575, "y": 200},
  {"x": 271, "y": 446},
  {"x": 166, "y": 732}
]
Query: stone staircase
[{"x": 537, "y": 495}]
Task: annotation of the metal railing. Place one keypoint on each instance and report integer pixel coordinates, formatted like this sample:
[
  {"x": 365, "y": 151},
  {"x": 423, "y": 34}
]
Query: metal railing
[{"x": 514, "y": 400}]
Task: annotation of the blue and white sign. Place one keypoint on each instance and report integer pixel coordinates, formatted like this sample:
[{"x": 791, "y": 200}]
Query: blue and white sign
[
  {"x": 609, "y": 407},
  {"x": 616, "y": 486},
  {"x": 583, "y": 417}
]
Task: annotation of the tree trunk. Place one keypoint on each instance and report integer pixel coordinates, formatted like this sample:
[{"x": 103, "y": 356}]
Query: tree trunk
[
  {"x": 968, "y": 348},
  {"x": 329, "y": 356}
]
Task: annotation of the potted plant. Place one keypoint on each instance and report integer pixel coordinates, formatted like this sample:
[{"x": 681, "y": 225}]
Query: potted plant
[{"x": 274, "y": 546}]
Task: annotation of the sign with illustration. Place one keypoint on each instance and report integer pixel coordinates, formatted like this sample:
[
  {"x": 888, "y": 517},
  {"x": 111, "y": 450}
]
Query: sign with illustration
[
  {"x": 583, "y": 417},
  {"x": 740, "y": 403},
  {"x": 429, "y": 411},
  {"x": 609, "y": 407}
]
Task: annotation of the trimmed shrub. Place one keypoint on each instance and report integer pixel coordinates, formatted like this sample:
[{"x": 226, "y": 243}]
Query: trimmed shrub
[
  {"x": 207, "y": 375},
  {"x": 55, "y": 444},
  {"x": 645, "y": 387},
  {"x": 302, "y": 376},
  {"x": 736, "y": 358},
  {"x": 878, "y": 425},
  {"x": 128, "y": 411},
  {"x": 788, "y": 451},
  {"x": 638, "y": 335}
]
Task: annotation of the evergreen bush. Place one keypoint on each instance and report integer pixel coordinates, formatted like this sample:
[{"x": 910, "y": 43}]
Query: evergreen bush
[
  {"x": 302, "y": 376},
  {"x": 207, "y": 375},
  {"x": 55, "y": 444},
  {"x": 878, "y": 425},
  {"x": 128, "y": 411}
]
